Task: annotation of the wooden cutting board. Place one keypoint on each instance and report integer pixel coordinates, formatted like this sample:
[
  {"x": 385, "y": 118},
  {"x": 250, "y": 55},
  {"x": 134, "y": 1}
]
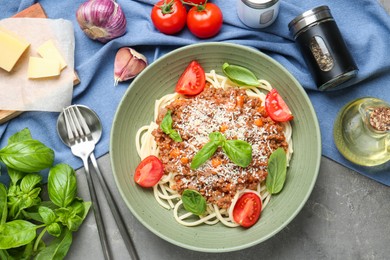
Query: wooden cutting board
[{"x": 34, "y": 11}]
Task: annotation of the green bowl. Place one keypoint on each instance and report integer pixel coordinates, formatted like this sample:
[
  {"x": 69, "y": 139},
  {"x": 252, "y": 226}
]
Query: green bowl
[{"x": 136, "y": 110}]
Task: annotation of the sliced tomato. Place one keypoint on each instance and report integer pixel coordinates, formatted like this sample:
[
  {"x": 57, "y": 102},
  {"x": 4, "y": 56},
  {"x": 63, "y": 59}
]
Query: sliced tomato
[
  {"x": 247, "y": 210},
  {"x": 192, "y": 81},
  {"x": 276, "y": 108},
  {"x": 149, "y": 172}
]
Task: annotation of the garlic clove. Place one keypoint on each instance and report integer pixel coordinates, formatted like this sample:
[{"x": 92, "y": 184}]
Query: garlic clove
[{"x": 128, "y": 64}]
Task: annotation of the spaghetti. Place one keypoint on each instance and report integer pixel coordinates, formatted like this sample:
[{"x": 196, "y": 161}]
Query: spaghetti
[{"x": 237, "y": 112}]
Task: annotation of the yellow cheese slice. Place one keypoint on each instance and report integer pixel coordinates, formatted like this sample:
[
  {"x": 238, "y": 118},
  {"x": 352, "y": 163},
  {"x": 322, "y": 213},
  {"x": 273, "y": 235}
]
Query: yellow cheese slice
[
  {"x": 49, "y": 50},
  {"x": 43, "y": 68},
  {"x": 11, "y": 48}
]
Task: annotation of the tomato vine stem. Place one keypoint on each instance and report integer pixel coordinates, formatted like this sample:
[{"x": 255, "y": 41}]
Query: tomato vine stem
[
  {"x": 200, "y": 7},
  {"x": 166, "y": 8}
]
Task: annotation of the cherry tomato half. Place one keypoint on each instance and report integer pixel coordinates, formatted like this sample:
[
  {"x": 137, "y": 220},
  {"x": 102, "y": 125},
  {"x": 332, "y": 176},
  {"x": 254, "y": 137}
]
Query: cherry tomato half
[
  {"x": 276, "y": 108},
  {"x": 192, "y": 81},
  {"x": 149, "y": 172},
  {"x": 247, "y": 210},
  {"x": 168, "y": 16},
  {"x": 205, "y": 21}
]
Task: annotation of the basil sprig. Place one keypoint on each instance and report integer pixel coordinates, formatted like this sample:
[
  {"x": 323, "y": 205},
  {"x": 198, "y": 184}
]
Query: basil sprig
[
  {"x": 240, "y": 75},
  {"x": 277, "y": 168},
  {"x": 238, "y": 151},
  {"x": 166, "y": 127},
  {"x": 194, "y": 202}
]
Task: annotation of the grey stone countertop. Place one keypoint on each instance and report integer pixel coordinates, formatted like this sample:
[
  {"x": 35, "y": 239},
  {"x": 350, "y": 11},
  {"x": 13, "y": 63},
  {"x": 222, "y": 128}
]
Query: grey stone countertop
[{"x": 347, "y": 216}]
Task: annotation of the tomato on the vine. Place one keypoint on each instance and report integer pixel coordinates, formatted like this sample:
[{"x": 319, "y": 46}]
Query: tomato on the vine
[
  {"x": 192, "y": 81},
  {"x": 169, "y": 16},
  {"x": 247, "y": 210},
  {"x": 276, "y": 108},
  {"x": 149, "y": 171},
  {"x": 205, "y": 21}
]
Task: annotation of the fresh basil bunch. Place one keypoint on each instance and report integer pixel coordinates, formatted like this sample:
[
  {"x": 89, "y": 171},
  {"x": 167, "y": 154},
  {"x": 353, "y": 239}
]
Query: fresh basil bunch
[
  {"x": 23, "y": 213},
  {"x": 238, "y": 151}
]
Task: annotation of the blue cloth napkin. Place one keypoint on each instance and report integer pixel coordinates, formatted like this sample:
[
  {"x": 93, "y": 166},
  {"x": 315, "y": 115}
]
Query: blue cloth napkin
[{"x": 364, "y": 24}]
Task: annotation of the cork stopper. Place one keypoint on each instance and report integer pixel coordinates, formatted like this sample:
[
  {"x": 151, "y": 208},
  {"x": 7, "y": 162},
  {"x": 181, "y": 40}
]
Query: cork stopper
[{"x": 380, "y": 119}]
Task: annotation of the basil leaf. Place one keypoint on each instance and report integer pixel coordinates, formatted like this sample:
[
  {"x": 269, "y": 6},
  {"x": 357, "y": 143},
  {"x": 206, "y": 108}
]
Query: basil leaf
[
  {"x": 240, "y": 75},
  {"x": 21, "y": 253},
  {"x": 67, "y": 216},
  {"x": 32, "y": 199},
  {"x": 238, "y": 151},
  {"x": 54, "y": 229},
  {"x": 62, "y": 185},
  {"x": 49, "y": 204},
  {"x": 277, "y": 168},
  {"x": 80, "y": 207},
  {"x": 194, "y": 202},
  {"x": 217, "y": 137},
  {"x": 16, "y": 233},
  {"x": 14, "y": 203},
  {"x": 74, "y": 223},
  {"x": 175, "y": 136},
  {"x": 15, "y": 175},
  {"x": 63, "y": 214},
  {"x": 29, "y": 182},
  {"x": 204, "y": 154},
  {"x": 27, "y": 156},
  {"x": 73, "y": 215},
  {"x": 166, "y": 127},
  {"x": 22, "y": 135},
  {"x": 33, "y": 213},
  {"x": 58, "y": 248},
  {"x": 48, "y": 216},
  {"x": 166, "y": 123},
  {"x": 32, "y": 216}
]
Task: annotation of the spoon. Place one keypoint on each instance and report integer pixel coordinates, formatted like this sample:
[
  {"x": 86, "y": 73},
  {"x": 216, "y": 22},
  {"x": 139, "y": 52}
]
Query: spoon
[{"x": 95, "y": 126}]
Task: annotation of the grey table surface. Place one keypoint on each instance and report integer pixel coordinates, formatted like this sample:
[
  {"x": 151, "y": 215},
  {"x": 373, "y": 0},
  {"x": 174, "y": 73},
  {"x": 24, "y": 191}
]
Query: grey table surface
[{"x": 346, "y": 217}]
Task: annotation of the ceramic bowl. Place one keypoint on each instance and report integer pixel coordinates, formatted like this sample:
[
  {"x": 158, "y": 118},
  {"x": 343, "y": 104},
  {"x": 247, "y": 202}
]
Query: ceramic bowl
[{"x": 136, "y": 110}]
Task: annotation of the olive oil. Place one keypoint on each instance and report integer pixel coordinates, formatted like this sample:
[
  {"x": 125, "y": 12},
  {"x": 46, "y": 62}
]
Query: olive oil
[{"x": 362, "y": 131}]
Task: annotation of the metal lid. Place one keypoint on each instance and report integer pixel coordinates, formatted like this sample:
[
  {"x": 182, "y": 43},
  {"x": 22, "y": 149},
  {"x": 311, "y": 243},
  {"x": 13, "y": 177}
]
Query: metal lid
[
  {"x": 309, "y": 17},
  {"x": 259, "y": 4}
]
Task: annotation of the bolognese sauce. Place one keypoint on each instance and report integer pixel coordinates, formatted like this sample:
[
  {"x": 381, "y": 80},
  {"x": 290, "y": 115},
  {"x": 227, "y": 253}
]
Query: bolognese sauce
[{"x": 237, "y": 116}]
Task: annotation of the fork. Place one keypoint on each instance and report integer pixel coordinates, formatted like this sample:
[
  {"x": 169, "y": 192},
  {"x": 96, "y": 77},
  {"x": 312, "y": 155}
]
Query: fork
[
  {"x": 83, "y": 148},
  {"x": 82, "y": 130}
]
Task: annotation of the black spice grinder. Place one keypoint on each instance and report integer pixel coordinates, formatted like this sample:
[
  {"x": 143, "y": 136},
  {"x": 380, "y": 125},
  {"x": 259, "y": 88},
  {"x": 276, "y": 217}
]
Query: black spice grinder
[{"x": 323, "y": 48}]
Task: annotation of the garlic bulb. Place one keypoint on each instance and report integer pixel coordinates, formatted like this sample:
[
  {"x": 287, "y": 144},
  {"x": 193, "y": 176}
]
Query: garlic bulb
[
  {"x": 128, "y": 64},
  {"x": 101, "y": 20}
]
